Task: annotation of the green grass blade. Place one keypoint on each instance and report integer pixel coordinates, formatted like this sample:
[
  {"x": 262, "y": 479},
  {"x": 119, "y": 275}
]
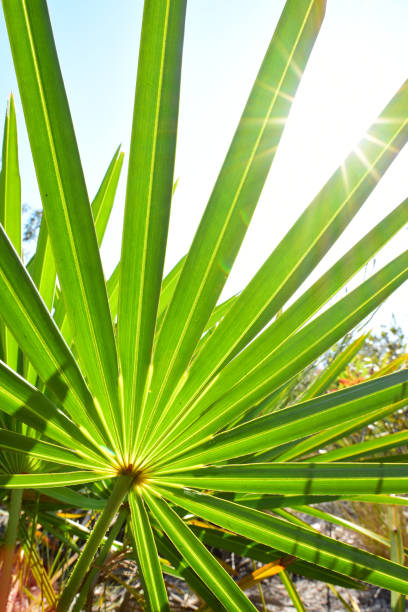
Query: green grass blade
[
  {"x": 103, "y": 201},
  {"x": 291, "y": 591},
  {"x": 359, "y": 450},
  {"x": 295, "y": 478},
  {"x": 335, "y": 520},
  {"x": 167, "y": 290},
  {"x": 34, "y": 448},
  {"x": 293, "y": 540},
  {"x": 10, "y": 211},
  {"x": 297, "y": 314},
  {"x": 296, "y": 422},
  {"x": 64, "y": 195},
  {"x": 112, "y": 287},
  {"x": 63, "y": 537},
  {"x": 198, "y": 557},
  {"x": 397, "y": 553},
  {"x": 334, "y": 369},
  {"x": 147, "y": 555},
  {"x": 51, "y": 480},
  {"x": 10, "y": 184},
  {"x": 148, "y": 197},
  {"x": 64, "y": 529},
  {"x": 42, "y": 266},
  {"x": 234, "y": 196},
  {"x": 42, "y": 271},
  {"x": 26, "y": 314}
]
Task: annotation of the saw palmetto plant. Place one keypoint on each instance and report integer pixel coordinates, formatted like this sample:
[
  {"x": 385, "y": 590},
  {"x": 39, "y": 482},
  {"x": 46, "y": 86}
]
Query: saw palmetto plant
[{"x": 150, "y": 386}]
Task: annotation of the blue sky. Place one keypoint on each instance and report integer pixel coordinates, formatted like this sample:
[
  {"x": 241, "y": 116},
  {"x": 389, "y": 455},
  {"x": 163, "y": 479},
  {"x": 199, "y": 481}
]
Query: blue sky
[{"x": 358, "y": 63}]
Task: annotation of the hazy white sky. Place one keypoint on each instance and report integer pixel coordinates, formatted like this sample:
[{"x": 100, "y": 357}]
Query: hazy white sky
[{"x": 358, "y": 63}]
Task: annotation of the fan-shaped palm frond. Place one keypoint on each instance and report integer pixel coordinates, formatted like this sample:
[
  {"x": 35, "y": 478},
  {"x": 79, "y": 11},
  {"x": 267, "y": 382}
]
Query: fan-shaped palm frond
[{"x": 142, "y": 383}]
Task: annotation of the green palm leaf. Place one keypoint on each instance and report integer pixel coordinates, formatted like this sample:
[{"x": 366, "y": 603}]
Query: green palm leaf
[
  {"x": 334, "y": 369},
  {"x": 203, "y": 563},
  {"x": 147, "y": 555},
  {"x": 288, "y": 323},
  {"x": 258, "y": 370},
  {"x": 10, "y": 212},
  {"x": 308, "y": 240},
  {"x": 292, "y": 539},
  {"x": 148, "y": 198},
  {"x": 72, "y": 499},
  {"x": 234, "y": 197},
  {"x": 26, "y": 314},
  {"x": 143, "y": 387},
  {"x": 170, "y": 553},
  {"x": 168, "y": 287},
  {"x": 64, "y": 195},
  {"x": 46, "y": 451},
  {"x": 50, "y": 480},
  {"x": 105, "y": 197},
  {"x": 335, "y": 433},
  {"x": 367, "y": 448},
  {"x": 295, "y": 478},
  {"x": 26, "y": 403},
  {"x": 101, "y": 210},
  {"x": 248, "y": 548},
  {"x": 297, "y": 421},
  {"x": 335, "y": 520}
]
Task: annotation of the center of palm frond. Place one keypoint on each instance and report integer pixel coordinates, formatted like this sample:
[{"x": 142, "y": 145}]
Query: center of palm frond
[{"x": 139, "y": 475}]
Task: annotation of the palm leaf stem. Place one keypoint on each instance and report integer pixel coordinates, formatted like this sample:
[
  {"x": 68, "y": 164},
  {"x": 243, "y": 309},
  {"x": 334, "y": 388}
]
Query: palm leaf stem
[
  {"x": 79, "y": 603},
  {"x": 9, "y": 546},
  {"x": 119, "y": 491}
]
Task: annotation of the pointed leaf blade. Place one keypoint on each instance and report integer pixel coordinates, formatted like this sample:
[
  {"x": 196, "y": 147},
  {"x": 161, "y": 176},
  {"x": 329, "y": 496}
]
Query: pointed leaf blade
[
  {"x": 294, "y": 540},
  {"x": 234, "y": 196},
  {"x": 64, "y": 195},
  {"x": 293, "y": 318},
  {"x": 198, "y": 556},
  {"x": 34, "y": 448},
  {"x": 147, "y": 554},
  {"x": 35, "y": 331},
  {"x": 10, "y": 211},
  {"x": 148, "y": 196},
  {"x": 50, "y": 480},
  {"x": 296, "y": 478}
]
